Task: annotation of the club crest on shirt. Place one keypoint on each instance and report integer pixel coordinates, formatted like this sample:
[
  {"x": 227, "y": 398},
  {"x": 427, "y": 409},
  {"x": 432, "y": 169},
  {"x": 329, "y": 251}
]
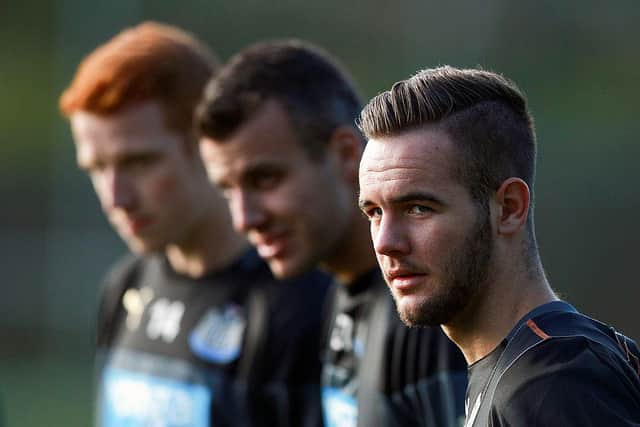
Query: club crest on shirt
[{"x": 218, "y": 335}]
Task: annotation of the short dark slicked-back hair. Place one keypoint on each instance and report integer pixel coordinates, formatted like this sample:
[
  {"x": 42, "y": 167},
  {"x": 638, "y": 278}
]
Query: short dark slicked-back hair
[
  {"x": 316, "y": 92},
  {"x": 483, "y": 113}
]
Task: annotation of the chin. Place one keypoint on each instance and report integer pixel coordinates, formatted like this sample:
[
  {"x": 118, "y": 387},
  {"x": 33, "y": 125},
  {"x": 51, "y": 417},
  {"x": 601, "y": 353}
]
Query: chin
[
  {"x": 280, "y": 269},
  {"x": 416, "y": 311},
  {"x": 410, "y": 315},
  {"x": 287, "y": 269},
  {"x": 142, "y": 247}
]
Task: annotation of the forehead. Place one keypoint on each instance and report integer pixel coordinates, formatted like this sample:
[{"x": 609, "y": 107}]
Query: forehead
[
  {"x": 139, "y": 128},
  {"x": 418, "y": 159},
  {"x": 268, "y": 138}
]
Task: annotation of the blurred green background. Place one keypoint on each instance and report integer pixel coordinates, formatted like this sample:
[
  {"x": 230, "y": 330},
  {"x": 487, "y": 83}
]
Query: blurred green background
[{"x": 578, "y": 63}]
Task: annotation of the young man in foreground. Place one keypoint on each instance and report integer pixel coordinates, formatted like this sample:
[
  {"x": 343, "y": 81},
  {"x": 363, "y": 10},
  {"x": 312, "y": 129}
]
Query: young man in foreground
[{"x": 447, "y": 182}]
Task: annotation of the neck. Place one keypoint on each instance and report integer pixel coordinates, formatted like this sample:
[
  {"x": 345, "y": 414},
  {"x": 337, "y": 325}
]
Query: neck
[
  {"x": 209, "y": 244},
  {"x": 353, "y": 255},
  {"x": 502, "y": 301}
]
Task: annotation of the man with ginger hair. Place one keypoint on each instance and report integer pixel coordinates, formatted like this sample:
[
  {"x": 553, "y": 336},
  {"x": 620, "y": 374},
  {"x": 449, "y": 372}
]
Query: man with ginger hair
[
  {"x": 193, "y": 329},
  {"x": 447, "y": 182}
]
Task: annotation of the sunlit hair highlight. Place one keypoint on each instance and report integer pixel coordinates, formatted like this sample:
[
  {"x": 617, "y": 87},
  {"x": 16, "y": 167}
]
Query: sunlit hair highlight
[{"x": 150, "y": 61}]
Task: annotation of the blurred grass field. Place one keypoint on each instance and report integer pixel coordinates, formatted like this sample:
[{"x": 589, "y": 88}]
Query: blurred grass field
[{"x": 51, "y": 391}]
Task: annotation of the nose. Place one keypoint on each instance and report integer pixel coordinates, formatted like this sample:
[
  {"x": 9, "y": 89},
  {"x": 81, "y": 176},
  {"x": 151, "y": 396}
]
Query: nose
[
  {"x": 118, "y": 190},
  {"x": 389, "y": 237},
  {"x": 247, "y": 211}
]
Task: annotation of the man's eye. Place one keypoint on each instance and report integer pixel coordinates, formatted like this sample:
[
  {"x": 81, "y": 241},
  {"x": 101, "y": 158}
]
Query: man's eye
[
  {"x": 139, "y": 163},
  {"x": 266, "y": 182},
  {"x": 372, "y": 213},
  {"x": 419, "y": 210}
]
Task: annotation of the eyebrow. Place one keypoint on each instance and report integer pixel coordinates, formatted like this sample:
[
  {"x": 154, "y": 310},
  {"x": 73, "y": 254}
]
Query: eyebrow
[
  {"x": 403, "y": 198},
  {"x": 121, "y": 158},
  {"x": 257, "y": 168}
]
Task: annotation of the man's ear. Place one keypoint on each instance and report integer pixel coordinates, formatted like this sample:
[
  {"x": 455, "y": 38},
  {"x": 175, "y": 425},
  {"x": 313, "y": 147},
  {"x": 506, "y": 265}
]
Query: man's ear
[
  {"x": 513, "y": 198},
  {"x": 345, "y": 147}
]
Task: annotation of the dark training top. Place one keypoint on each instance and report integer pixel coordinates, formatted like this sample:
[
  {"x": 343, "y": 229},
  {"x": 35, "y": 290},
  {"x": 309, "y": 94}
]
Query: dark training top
[
  {"x": 234, "y": 348},
  {"x": 377, "y": 372},
  {"x": 557, "y": 367}
]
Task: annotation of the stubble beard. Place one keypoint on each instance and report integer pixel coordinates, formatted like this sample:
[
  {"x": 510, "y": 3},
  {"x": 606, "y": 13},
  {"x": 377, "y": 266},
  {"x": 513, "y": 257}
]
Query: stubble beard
[{"x": 464, "y": 274}]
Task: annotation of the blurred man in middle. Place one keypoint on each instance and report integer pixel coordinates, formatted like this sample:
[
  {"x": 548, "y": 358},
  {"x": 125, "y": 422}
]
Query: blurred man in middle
[{"x": 278, "y": 137}]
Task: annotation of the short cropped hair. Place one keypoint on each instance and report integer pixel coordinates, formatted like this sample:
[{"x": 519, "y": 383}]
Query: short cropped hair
[
  {"x": 483, "y": 113},
  {"x": 315, "y": 91},
  {"x": 150, "y": 61}
]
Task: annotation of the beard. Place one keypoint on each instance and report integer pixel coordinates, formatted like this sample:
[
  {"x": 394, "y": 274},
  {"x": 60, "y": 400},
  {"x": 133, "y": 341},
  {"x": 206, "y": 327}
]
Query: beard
[{"x": 464, "y": 273}]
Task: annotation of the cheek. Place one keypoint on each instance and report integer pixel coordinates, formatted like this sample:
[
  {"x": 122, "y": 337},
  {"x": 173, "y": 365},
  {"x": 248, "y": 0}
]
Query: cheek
[
  {"x": 278, "y": 204},
  {"x": 294, "y": 198},
  {"x": 434, "y": 240},
  {"x": 103, "y": 192},
  {"x": 164, "y": 187},
  {"x": 305, "y": 213},
  {"x": 100, "y": 191}
]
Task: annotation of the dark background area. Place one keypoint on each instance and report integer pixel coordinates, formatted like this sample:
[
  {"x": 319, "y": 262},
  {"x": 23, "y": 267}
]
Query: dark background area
[{"x": 577, "y": 62}]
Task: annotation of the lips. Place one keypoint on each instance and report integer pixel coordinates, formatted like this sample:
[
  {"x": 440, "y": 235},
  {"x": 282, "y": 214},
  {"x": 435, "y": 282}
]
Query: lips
[
  {"x": 137, "y": 225},
  {"x": 271, "y": 247},
  {"x": 404, "y": 280}
]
